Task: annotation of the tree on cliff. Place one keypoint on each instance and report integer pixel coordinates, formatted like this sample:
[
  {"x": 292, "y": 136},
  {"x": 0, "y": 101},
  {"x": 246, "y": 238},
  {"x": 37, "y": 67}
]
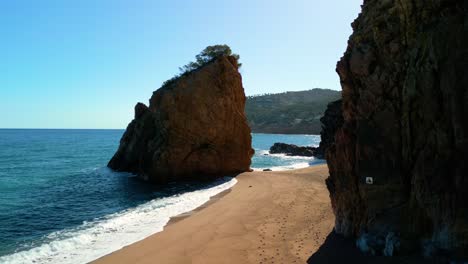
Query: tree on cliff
[
  {"x": 204, "y": 57},
  {"x": 207, "y": 55}
]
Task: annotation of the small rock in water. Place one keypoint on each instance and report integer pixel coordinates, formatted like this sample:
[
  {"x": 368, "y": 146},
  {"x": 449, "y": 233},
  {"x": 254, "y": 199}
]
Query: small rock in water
[
  {"x": 292, "y": 150},
  {"x": 267, "y": 170}
]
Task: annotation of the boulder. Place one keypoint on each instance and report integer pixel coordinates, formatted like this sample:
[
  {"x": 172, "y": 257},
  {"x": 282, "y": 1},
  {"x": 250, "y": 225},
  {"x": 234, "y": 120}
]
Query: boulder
[
  {"x": 398, "y": 168},
  {"x": 292, "y": 150},
  {"x": 193, "y": 128}
]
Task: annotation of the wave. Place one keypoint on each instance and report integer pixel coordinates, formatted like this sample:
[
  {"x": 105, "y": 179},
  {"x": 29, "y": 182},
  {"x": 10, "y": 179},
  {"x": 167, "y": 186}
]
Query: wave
[
  {"x": 293, "y": 166},
  {"x": 262, "y": 152},
  {"x": 102, "y": 236},
  {"x": 286, "y": 157}
]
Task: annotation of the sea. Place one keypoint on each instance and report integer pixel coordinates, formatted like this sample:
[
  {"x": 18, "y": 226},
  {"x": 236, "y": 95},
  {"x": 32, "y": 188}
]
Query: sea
[{"x": 59, "y": 203}]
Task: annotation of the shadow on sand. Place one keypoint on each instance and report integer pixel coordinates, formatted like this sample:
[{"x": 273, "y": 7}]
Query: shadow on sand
[{"x": 337, "y": 250}]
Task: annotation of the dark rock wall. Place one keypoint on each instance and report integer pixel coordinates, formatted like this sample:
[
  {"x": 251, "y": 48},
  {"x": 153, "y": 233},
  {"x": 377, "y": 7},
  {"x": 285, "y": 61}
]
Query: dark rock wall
[
  {"x": 193, "y": 128},
  {"x": 405, "y": 109},
  {"x": 331, "y": 121}
]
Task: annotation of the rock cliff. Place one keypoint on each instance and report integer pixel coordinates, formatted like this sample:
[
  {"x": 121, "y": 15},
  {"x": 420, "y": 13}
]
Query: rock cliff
[
  {"x": 399, "y": 166},
  {"x": 194, "y": 127}
]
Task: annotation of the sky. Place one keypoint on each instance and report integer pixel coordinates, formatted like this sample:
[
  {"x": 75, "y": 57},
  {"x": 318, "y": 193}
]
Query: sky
[{"x": 85, "y": 64}]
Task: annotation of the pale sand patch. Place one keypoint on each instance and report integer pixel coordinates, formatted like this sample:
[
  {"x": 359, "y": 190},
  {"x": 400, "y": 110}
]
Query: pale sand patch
[{"x": 267, "y": 217}]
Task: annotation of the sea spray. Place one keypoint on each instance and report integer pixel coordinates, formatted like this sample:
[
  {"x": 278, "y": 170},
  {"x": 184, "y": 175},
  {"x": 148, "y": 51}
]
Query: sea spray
[{"x": 103, "y": 236}]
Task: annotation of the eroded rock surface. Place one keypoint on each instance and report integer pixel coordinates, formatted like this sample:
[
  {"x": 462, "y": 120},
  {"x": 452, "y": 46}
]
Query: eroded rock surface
[
  {"x": 405, "y": 109},
  {"x": 193, "y": 128}
]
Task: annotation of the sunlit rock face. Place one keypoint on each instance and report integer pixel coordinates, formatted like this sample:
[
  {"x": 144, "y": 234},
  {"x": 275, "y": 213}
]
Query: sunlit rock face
[
  {"x": 399, "y": 164},
  {"x": 194, "y": 128}
]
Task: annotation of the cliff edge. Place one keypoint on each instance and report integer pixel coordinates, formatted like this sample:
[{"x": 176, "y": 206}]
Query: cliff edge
[{"x": 399, "y": 165}]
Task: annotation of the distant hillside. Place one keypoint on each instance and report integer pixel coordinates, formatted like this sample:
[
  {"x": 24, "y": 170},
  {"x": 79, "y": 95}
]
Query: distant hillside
[{"x": 289, "y": 112}]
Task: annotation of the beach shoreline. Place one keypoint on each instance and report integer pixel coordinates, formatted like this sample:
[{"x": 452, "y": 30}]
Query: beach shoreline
[
  {"x": 182, "y": 216},
  {"x": 278, "y": 216}
]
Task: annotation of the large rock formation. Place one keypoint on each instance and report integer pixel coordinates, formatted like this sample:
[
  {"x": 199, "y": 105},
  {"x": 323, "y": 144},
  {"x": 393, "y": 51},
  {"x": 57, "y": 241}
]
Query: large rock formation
[
  {"x": 399, "y": 166},
  {"x": 194, "y": 127}
]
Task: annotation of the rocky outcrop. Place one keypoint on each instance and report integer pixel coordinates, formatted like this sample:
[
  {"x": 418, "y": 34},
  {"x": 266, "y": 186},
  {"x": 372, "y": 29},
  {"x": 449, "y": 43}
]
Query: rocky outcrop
[
  {"x": 194, "y": 128},
  {"x": 292, "y": 150},
  {"x": 398, "y": 168},
  {"x": 331, "y": 121}
]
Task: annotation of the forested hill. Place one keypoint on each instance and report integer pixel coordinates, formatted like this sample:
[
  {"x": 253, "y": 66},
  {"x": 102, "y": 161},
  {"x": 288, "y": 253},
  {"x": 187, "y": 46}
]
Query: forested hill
[{"x": 289, "y": 112}]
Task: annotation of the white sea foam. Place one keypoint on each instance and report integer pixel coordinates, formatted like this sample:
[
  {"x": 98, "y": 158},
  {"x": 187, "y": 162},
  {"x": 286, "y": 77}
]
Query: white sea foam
[
  {"x": 262, "y": 152},
  {"x": 286, "y": 157},
  {"x": 294, "y": 166},
  {"x": 290, "y": 162},
  {"x": 100, "y": 237}
]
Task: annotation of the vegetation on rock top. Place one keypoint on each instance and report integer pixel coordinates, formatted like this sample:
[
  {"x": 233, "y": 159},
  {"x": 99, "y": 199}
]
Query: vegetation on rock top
[{"x": 206, "y": 56}]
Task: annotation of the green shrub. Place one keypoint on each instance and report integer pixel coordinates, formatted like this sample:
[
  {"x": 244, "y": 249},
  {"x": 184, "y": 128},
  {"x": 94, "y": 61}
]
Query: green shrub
[{"x": 206, "y": 56}]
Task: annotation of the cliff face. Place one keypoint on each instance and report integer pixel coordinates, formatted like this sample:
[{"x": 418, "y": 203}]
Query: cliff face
[
  {"x": 193, "y": 128},
  {"x": 405, "y": 131}
]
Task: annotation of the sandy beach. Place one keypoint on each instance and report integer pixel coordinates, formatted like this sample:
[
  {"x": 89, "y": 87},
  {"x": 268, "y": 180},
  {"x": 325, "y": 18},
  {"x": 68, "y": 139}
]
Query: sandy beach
[{"x": 267, "y": 217}]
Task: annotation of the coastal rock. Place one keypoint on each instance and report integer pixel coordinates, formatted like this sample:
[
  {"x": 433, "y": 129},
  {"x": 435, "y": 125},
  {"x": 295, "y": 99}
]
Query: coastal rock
[
  {"x": 331, "y": 121},
  {"x": 398, "y": 168},
  {"x": 292, "y": 150},
  {"x": 194, "y": 128}
]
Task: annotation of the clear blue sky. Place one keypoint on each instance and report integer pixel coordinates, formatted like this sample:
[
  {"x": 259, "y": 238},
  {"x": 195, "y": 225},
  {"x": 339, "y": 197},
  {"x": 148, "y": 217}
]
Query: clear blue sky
[{"x": 85, "y": 64}]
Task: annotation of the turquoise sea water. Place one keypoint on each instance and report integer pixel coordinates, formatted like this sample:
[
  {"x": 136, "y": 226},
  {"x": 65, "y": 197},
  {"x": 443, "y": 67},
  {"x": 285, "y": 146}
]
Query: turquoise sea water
[{"x": 57, "y": 195}]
